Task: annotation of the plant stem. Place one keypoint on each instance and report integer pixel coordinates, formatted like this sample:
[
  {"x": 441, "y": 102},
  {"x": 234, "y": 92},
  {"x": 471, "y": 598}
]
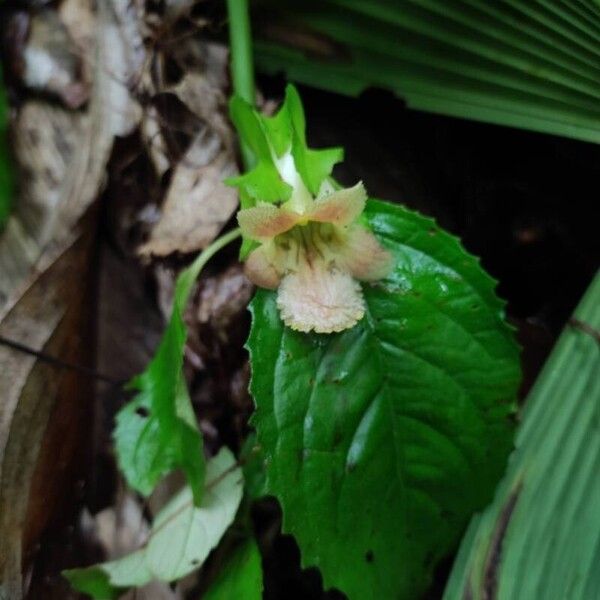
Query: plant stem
[
  {"x": 186, "y": 279},
  {"x": 242, "y": 63}
]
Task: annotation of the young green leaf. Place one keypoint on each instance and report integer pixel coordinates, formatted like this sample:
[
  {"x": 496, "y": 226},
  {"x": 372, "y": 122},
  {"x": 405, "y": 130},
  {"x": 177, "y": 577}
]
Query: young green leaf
[
  {"x": 157, "y": 431},
  {"x": 181, "y": 538},
  {"x": 263, "y": 182},
  {"x": 381, "y": 441},
  {"x": 240, "y": 577}
]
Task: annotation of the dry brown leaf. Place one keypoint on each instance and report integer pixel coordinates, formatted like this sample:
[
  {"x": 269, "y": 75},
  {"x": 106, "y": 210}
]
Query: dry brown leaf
[
  {"x": 121, "y": 63},
  {"x": 46, "y": 262},
  {"x": 197, "y": 202},
  {"x": 44, "y": 412},
  {"x": 64, "y": 156},
  {"x": 122, "y": 529},
  {"x": 79, "y": 19},
  {"x": 50, "y": 61},
  {"x": 222, "y": 298}
]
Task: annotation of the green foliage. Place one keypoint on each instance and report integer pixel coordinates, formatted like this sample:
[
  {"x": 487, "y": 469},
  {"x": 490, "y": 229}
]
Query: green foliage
[
  {"x": 240, "y": 577},
  {"x": 157, "y": 432},
  {"x": 381, "y": 441},
  {"x": 270, "y": 138},
  {"x": 516, "y": 63},
  {"x": 182, "y": 536},
  {"x": 539, "y": 538},
  {"x": 263, "y": 182},
  {"x": 6, "y": 179}
]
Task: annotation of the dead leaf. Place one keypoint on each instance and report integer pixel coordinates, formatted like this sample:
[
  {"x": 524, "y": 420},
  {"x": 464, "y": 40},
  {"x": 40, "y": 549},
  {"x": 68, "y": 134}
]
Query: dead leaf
[
  {"x": 63, "y": 156},
  {"x": 197, "y": 202},
  {"x": 46, "y": 262},
  {"x": 50, "y": 61},
  {"x": 79, "y": 19},
  {"x": 122, "y": 60},
  {"x": 223, "y": 298},
  {"x": 43, "y": 413}
]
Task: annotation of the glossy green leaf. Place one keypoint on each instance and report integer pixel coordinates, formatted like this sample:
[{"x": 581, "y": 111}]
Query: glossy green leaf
[
  {"x": 157, "y": 431},
  {"x": 540, "y": 536},
  {"x": 533, "y": 65},
  {"x": 240, "y": 577},
  {"x": 181, "y": 538},
  {"x": 381, "y": 441}
]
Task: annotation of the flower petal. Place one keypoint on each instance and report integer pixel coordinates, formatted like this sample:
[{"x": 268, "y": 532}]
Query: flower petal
[
  {"x": 260, "y": 270},
  {"x": 363, "y": 256},
  {"x": 340, "y": 207},
  {"x": 321, "y": 300},
  {"x": 265, "y": 221}
]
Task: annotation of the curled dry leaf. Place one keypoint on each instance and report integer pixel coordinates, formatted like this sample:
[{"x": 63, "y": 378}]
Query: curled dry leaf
[
  {"x": 50, "y": 61},
  {"x": 79, "y": 19},
  {"x": 45, "y": 137},
  {"x": 223, "y": 298},
  {"x": 122, "y": 64},
  {"x": 197, "y": 202},
  {"x": 121, "y": 529}
]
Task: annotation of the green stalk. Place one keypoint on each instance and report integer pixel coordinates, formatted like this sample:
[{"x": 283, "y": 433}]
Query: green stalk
[
  {"x": 186, "y": 279},
  {"x": 242, "y": 62}
]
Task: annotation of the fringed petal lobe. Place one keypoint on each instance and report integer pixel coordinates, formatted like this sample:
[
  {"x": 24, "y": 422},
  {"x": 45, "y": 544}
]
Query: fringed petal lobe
[{"x": 320, "y": 300}]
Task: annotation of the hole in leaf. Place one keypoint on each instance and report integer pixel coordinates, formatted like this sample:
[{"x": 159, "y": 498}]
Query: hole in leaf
[
  {"x": 142, "y": 411},
  {"x": 369, "y": 556}
]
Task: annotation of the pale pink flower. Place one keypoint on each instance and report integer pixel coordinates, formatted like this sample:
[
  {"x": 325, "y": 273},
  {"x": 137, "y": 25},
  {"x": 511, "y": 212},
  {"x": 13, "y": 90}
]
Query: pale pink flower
[{"x": 314, "y": 252}]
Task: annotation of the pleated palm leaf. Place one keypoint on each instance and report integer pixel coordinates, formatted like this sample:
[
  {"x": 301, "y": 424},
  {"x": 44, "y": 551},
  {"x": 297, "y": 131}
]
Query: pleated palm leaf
[
  {"x": 540, "y": 538},
  {"x": 532, "y": 65}
]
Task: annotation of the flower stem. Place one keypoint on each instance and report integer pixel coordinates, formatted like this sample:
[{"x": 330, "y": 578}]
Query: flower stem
[
  {"x": 186, "y": 279},
  {"x": 242, "y": 63}
]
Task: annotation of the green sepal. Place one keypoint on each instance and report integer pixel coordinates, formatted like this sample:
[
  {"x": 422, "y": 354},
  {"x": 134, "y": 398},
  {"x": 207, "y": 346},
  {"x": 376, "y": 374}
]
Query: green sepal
[
  {"x": 270, "y": 138},
  {"x": 157, "y": 432}
]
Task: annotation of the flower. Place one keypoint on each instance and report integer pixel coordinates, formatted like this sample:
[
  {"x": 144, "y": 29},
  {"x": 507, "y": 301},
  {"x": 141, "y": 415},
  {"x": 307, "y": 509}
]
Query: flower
[{"x": 314, "y": 252}]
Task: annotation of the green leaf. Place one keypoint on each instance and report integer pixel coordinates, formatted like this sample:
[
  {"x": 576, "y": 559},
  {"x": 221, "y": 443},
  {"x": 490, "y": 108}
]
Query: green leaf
[
  {"x": 157, "y": 431},
  {"x": 94, "y": 582},
  {"x": 181, "y": 538},
  {"x": 263, "y": 183},
  {"x": 539, "y": 538},
  {"x": 270, "y": 138},
  {"x": 381, "y": 441},
  {"x": 240, "y": 577},
  {"x": 515, "y": 63}
]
